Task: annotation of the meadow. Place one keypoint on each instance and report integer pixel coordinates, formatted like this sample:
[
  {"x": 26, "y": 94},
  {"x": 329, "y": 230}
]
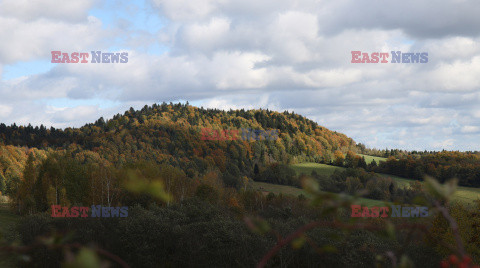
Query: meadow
[
  {"x": 462, "y": 195},
  {"x": 369, "y": 158},
  {"x": 294, "y": 191},
  {"x": 321, "y": 169}
]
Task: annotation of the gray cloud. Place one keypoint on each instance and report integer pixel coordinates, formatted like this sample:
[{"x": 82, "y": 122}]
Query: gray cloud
[
  {"x": 24, "y": 10},
  {"x": 279, "y": 55}
]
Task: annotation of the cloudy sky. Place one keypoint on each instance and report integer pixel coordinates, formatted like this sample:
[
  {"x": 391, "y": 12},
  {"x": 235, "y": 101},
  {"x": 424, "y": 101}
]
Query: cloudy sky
[{"x": 278, "y": 54}]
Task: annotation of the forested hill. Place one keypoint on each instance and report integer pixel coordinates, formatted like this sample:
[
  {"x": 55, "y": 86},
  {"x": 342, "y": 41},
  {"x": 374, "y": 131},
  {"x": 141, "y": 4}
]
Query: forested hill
[{"x": 171, "y": 134}]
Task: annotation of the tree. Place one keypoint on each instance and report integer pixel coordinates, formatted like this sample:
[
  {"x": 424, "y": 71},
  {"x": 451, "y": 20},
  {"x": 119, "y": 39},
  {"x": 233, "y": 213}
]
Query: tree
[
  {"x": 246, "y": 182},
  {"x": 339, "y": 158},
  {"x": 24, "y": 196},
  {"x": 361, "y": 147},
  {"x": 207, "y": 193},
  {"x": 3, "y": 184},
  {"x": 350, "y": 160},
  {"x": 49, "y": 183},
  {"x": 362, "y": 163},
  {"x": 372, "y": 166},
  {"x": 353, "y": 185}
]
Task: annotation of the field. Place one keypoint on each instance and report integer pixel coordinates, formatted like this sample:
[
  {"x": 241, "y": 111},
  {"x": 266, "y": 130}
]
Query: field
[
  {"x": 290, "y": 190},
  {"x": 463, "y": 194},
  {"x": 307, "y": 168},
  {"x": 369, "y": 158}
]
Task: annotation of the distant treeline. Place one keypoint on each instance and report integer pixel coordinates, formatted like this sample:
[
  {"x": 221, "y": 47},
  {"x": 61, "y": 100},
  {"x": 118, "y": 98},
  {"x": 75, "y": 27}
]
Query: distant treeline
[
  {"x": 445, "y": 165},
  {"x": 442, "y": 166},
  {"x": 350, "y": 181}
]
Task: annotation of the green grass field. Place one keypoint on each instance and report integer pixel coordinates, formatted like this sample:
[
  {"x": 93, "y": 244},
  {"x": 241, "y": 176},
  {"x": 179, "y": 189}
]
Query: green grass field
[
  {"x": 463, "y": 194},
  {"x": 307, "y": 168},
  {"x": 294, "y": 191},
  {"x": 369, "y": 158}
]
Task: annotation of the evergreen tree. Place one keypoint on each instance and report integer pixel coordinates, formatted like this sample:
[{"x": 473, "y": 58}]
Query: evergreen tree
[
  {"x": 372, "y": 166},
  {"x": 256, "y": 170},
  {"x": 3, "y": 184},
  {"x": 362, "y": 163},
  {"x": 24, "y": 196}
]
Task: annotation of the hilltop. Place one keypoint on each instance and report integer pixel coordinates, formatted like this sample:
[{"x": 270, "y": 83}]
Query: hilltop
[{"x": 171, "y": 134}]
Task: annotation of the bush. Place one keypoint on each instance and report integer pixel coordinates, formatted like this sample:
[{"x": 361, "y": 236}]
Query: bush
[{"x": 207, "y": 193}]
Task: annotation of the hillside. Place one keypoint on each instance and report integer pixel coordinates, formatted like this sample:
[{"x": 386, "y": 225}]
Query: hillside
[
  {"x": 464, "y": 195},
  {"x": 183, "y": 190},
  {"x": 171, "y": 133}
]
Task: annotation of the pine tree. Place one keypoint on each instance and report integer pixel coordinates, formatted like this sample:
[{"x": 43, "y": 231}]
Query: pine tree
[
  {"x": 3, "y": 184},
  {"x": 24, "y": 196},
  {"x": 256, "y": 170}
]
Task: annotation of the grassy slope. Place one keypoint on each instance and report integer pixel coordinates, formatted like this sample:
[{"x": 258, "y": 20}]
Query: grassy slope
[
  {"x": 290, "y": 190},
  {"x": 307, "y": 169},
  {"x": 463, "y": 194},
  {"x": 321, "y": 169},
  {"x": 369, "y": 158}
]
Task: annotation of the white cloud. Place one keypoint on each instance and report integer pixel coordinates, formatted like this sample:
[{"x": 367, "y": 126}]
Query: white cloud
[
  {"x": 470, "y": 129},
  {"x": 457, "y": 76},
  {"x": 5, "y": 111},
  {"x": 25, "y": 10},
  {"x": 186, "y": 10},
  {"x": 445, "y": 144},
  {"x": 453, "y": 48},
  {"x": 201, "y": 37},
  {"x": 275, "y": 54},
  {"x": 36, "y": 40},
  {"x": 66, "y": 115}
]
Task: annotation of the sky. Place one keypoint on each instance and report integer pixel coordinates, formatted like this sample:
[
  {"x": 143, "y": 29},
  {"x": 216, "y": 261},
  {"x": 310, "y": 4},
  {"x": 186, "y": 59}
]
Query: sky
[{"x": 280, "y": 55}]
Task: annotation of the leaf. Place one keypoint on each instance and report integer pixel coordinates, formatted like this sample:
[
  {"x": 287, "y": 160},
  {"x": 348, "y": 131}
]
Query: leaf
[
  {"x": 298, "y": 242},
  {"x": 257, "y": 225},
  {"x": 390, "y": 228},
  {"x": 405, "y": 262},
  {"x": 439, "y": 191},
  {"x": 451, "y": 187},
  {"x": 85, "y": 258},
  {"x": 310, "y": 185},
  {"x": 329, "y": 249},
  {"x": 434, "y": 187},
  {"x": 154, "y": 188}
]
